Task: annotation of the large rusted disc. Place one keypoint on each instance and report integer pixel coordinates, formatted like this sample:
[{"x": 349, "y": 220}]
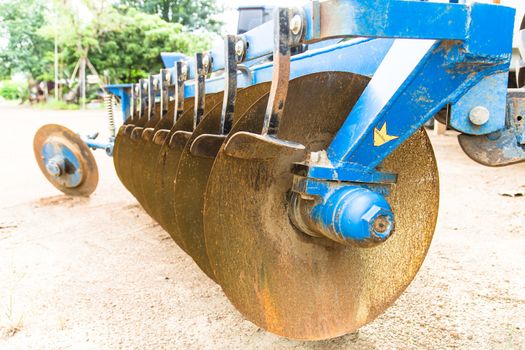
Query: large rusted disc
[
  {"x": 192, "y": 177},
  {"x": 166, "y": 169},
  {"x": 285, "y": 281},
  {"x": 65, "y": 160}
]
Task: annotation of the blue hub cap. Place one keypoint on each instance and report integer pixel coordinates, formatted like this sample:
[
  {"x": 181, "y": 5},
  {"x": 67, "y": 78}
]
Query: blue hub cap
[{"x": 61, "y": 163}]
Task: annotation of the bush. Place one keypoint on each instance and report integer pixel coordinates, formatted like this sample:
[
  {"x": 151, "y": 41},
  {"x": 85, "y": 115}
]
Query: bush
[
  {"x": 57, "y": 105},
  {"x": 11, "y": 90}
]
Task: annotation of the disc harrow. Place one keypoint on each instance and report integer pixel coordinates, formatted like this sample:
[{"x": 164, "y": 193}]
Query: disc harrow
[{"x": 296, "y": 173}]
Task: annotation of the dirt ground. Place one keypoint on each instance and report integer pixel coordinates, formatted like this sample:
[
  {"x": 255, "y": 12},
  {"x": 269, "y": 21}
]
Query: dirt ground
[{"x": 98, "y": 273}]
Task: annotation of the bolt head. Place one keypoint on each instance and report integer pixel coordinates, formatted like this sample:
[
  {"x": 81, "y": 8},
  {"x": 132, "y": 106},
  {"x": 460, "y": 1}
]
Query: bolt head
[
  {"x": 53, "y": 168},
  {"x": 239, "y": 48},
  {"x": 296, "y": 24},
  {"x": 206, "y": 61},
  {"x": 479, "y": 115},
  {"x": 380, "y": 223},
  {"x": 184, "y": 72}
]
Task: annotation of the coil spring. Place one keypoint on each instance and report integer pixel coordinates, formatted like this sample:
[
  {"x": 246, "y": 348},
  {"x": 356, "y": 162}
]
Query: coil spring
[{"x": 108, "y": 101}]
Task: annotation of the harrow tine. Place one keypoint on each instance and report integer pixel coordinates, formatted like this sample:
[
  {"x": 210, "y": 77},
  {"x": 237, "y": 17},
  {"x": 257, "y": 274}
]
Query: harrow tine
[
  {"x": 175, "y": 83},
  {"x": 266, "y": 144},
  {"x": 203, "y": 67},
  {"x": 207, "y": 145}
]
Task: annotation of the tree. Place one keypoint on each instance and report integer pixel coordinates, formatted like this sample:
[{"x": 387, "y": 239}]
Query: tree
[
  {"x": 24, "y": 49},
  {"x": 121, "y": 42},
  {"x": 132, "y": 50},
  {"x": 124, "y": 44},
  {"x": 193, "y": 14}
]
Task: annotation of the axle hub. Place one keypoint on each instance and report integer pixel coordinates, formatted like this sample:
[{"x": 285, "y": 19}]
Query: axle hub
[
  {"x": 55, "y": 166},
  {"x": 350, "y": 215}
]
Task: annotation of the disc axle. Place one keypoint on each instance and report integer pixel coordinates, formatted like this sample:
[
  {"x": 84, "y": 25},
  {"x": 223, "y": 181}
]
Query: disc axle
[{"x": 349, "y": 215}]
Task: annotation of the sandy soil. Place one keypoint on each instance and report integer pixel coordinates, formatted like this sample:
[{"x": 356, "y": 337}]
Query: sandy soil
[{"x": 98, "y": 273}]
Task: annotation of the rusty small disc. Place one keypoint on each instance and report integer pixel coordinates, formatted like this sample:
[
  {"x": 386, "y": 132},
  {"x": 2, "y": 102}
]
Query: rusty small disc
[
  {"x": 124, "y": 151},
  {"x": 149, "y": 159},
  {"x": 284, "y": 280},
  {"x": 161, "y": 188},
  {"x": 65, "y": 160},
  {"x": 192, "y": 177}
]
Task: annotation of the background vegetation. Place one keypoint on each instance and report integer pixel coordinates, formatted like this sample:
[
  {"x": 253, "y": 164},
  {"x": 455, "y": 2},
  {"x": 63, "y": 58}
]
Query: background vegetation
[{"x": 123, "y": 39}]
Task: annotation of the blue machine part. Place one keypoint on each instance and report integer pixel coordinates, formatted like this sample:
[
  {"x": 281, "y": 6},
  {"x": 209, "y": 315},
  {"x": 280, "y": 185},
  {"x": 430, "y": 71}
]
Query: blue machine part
[
  {"x": 170, "y": 58},
  {"x": 94, "y": 144},
  {"x": 356, "y": 215},
  {"x": 61, "y": 163},
  {"x": 444, "y": 53},
  {"x": 123, "y": 92},
  {"x": 495, "y": 104}
]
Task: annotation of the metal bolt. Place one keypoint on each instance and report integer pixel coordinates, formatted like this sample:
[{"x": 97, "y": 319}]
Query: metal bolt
[
  {"x": 184, "y": 72},
  {"x": 239, "y": 48},
  {"x": 206, "y": 61},
  {"x": 381, "y": 224},
  {"x": 296, "y": 24},
  {"x": 479, "y": 115},
  {"x": 53, "y": 168},
  {"x": 315, "y": 157}
]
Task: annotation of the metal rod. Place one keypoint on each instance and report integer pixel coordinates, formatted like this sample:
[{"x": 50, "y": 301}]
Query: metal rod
[
  {"x": 281, "y": 71},
  {"x": 230, "y": 84},
  {"x": 179, "y": 79},
  {"x": 200, "y": 88}
]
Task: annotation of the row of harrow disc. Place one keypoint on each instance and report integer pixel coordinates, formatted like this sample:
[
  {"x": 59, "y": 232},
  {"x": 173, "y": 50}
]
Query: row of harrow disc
[{"x": 231, "y": 214}]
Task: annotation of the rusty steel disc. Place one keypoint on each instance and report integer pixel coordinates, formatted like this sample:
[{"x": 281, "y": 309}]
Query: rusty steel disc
[
  {"x": 150, "y": 155},
  {"x": 65, "y": 160},
  {"x": 124, "y": 150},
  {"x": 161, "y": 188},
  {"x": 136, "y": 148},
  {"x": 285, "y": 281},
  {"x": 192, "y": 177},
  {"x": 118, "y": 156}
]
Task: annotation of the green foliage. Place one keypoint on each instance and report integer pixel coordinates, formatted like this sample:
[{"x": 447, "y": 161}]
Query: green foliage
[
  {"x": 193, "y": 14},
  {"x": 122, "y": 41},
  {"x": 57, "y": 105},
  {"x": 24, "y": 48},
  {"x": 11, "y": 90},
  {"x": 132, "y": 49}
]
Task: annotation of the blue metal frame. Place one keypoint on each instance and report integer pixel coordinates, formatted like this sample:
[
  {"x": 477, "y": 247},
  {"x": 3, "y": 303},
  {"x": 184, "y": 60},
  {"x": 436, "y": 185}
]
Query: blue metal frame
[
  {"x": 416, "y": 78},
  {"x": 123, "y": 92},
  {"x": 423, "y": 56}
]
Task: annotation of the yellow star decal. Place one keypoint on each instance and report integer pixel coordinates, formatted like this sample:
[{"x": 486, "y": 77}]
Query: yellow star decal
[{"x": 381, "y": 136}]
